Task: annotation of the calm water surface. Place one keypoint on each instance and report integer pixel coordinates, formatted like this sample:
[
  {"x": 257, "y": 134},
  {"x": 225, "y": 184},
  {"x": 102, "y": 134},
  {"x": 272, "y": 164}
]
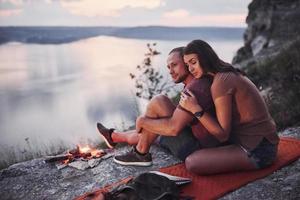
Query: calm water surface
[{"x": 51, "y": 96}]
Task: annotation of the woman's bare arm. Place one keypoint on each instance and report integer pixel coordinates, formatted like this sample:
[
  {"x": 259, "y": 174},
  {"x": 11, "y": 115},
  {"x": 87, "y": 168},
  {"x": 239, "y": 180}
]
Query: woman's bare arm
[{"x": 219, "y": 127}]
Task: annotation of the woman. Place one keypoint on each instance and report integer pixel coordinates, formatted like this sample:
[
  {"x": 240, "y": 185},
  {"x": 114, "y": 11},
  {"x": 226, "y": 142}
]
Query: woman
[{"x": 242, "y": 116}]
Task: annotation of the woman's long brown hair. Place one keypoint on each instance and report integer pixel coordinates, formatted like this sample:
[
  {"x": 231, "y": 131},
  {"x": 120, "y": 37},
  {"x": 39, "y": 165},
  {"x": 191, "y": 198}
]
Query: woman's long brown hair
[{"x": 209, "y": 60}]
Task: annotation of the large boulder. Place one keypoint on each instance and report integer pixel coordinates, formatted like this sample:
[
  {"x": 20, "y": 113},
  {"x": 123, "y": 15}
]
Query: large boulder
[
  {"x": 271, "y": 56},
  {"x": 271, "y": 25}
]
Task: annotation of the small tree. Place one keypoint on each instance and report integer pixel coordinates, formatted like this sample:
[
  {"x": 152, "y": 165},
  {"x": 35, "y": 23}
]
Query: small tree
[{"x": 148, "y": 80}]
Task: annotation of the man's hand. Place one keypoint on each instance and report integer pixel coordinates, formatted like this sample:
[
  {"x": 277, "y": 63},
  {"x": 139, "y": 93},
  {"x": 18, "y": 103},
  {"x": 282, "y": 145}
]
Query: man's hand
[
  {"x": 139, "y": 124},
  {"x": 189, "y": 102}
]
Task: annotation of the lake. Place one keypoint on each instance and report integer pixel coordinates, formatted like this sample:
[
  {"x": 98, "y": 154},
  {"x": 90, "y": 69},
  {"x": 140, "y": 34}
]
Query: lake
[{"x": 51, "y": 96}]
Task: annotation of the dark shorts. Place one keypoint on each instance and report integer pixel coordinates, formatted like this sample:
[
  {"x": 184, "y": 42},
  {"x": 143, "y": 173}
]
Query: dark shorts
[
  {"x": 263, "y": 155},
  {"x": 181, "y": 145}
]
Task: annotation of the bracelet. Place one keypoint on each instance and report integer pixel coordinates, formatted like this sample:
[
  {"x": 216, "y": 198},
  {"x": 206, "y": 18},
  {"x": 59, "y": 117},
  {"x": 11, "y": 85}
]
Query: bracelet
[{"x": 199, "y": 114}]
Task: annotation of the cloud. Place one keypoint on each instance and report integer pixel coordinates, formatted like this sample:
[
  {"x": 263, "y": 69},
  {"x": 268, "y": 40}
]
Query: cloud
[
  {"x": 92, "y": 8},
  {"x": 182, "y": 17},
  {"x": 8, "y": 13},
  {"x": 14, "y": 2},
  {"x": 122, "y": 12},
  {"x": 180, "y": 13},
  {"x": 21, "y": 2},
  {"x": 10, "y": 7}
]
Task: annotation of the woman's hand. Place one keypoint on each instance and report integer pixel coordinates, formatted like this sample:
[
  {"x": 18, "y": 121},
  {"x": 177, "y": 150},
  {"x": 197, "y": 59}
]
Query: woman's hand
[{"x": 189, "y": 102}]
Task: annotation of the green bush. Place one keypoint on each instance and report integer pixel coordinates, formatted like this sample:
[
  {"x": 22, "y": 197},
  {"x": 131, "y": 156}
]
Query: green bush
[{"x": 282, "y": 76}]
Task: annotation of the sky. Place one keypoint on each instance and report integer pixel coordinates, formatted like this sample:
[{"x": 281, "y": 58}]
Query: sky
[{"x": 225, "y": 13}]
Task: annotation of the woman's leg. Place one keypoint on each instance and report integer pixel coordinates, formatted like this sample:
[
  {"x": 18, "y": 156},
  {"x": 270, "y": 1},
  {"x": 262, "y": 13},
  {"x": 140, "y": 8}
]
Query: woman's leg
[{"x": 218, "y": 160}]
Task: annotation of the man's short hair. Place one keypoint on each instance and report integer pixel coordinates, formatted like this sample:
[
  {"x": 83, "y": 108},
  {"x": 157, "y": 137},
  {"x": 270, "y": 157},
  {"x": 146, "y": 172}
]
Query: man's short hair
[{"x": 177, "y": 49}]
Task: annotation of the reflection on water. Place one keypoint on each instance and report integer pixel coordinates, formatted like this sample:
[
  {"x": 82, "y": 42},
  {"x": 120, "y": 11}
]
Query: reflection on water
[{"x": 51, "y": 96}]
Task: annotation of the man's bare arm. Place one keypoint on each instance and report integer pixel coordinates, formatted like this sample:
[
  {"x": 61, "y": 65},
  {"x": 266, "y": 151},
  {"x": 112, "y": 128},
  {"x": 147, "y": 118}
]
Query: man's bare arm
[{"x": 169, "y": 126}]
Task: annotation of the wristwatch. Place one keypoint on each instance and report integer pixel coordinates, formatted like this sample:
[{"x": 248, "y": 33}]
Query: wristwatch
[{"x": 199, "y": 114}]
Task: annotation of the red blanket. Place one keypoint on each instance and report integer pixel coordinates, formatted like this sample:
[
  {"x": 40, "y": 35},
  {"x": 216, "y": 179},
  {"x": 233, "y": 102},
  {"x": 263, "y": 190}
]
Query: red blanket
[{"x": 215, "y": 186}]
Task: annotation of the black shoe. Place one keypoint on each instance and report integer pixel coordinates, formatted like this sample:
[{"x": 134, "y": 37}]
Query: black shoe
[
  {"x": 134, "y": 158},
  {"x": 105, "y": 133}
]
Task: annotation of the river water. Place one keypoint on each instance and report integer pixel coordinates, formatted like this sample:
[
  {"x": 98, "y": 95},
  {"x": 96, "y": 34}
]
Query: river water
[{"x": 51, "y": 96}]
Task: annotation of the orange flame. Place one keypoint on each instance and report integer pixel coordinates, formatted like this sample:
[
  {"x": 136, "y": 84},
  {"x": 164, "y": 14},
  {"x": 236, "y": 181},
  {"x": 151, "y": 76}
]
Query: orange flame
[
  {"x": 94, "y": 152},
  {"x": 97, "y": 153},
  {"x": 66, "y": 161},
  {"x": 84, "y": 149}
]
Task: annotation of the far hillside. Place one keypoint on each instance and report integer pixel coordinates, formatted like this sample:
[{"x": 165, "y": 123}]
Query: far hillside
[{"x": 58, "y": 35}]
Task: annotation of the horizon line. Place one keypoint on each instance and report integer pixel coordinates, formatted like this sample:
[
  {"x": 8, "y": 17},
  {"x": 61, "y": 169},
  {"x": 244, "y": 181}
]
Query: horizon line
[{"x": 141, "y": 26}]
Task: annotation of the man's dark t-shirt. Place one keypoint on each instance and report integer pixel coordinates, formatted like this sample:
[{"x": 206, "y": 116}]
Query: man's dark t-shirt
[{"x": 201, "y": 89}]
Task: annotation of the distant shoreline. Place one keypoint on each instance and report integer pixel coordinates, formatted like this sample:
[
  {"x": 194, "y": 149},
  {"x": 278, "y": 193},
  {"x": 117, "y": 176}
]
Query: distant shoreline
[
  {"x": 67, "y": 34},
  {"x": 153, "y": 26}
]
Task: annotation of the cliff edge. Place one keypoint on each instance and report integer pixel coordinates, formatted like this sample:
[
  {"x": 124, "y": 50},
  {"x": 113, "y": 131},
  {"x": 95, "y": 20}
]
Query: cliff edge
[
  {"x": 272, "y": 25},
  {"x": 271, "y": 56}
]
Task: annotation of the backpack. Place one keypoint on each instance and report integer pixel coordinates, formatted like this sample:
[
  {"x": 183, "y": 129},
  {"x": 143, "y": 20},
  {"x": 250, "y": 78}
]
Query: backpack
[{"x": 146, "y": 186}]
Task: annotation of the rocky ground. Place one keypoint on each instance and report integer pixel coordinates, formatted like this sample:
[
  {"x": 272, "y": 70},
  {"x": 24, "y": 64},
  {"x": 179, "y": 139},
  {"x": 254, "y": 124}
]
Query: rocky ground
[{"x": 36, "y": 179}]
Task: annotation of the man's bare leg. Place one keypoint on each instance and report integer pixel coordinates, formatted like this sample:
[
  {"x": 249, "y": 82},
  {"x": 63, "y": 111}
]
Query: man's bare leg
[
  {"x": 159, "y": 106},
  {"x": 129, "y": 137}
]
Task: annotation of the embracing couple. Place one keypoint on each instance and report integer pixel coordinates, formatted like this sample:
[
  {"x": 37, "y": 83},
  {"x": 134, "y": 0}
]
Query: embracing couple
[{"x": 221, "y": 124}]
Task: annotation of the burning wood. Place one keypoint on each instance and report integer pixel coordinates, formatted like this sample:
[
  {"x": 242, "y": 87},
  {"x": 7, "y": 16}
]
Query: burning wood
[
  {"x": 81, "y": 153},
  {"x": 86, "y": 152}
]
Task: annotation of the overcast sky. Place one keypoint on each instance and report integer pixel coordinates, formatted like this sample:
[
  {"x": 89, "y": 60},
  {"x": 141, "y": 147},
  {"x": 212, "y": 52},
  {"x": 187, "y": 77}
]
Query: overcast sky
[{"x": 229, "y": 13}]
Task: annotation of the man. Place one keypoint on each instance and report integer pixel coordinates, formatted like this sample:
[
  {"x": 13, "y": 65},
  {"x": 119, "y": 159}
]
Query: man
[{"x": 180, "y": 131}]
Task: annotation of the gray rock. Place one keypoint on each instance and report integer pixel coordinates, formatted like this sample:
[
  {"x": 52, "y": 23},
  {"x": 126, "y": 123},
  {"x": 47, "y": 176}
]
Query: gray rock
[
  {"x": 258, "y": 44},
  {"x": 94, "y": 162},
  {"x": 291, "y": 132},
  {"x": 293, "y": 180},
  {"x": 271, "y": 25},
  {"x": 82, "y": 165},
  {"x": 36, "y": 179},
  {"x": 60, "y": 165}
]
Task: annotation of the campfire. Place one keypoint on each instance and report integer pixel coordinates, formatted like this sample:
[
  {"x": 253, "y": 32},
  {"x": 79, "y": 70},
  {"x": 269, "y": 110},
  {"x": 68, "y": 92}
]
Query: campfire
[
  {"x": 82, "y": 157},
  {"x": 83, "y": 152}
]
